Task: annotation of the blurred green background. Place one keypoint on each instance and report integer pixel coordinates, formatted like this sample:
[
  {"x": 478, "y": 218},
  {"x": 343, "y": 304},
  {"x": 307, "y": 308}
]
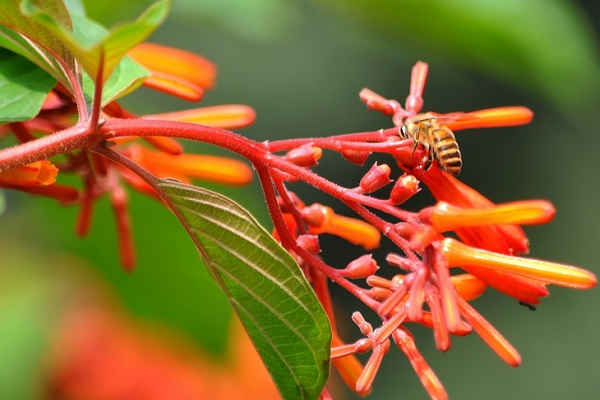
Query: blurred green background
[{"x": 300, "y": 65}]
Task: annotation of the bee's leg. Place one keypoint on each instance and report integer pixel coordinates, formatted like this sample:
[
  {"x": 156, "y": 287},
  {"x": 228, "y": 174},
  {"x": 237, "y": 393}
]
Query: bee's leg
[{"x": 429, "y": 158}]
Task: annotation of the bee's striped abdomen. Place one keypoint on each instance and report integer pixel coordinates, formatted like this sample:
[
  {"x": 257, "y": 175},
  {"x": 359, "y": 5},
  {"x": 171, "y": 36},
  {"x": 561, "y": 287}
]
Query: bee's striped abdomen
[{"x": 446, "y": 151}]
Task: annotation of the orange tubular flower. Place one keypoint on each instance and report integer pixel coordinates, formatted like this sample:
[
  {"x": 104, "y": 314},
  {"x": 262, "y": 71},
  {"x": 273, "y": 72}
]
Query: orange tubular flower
[
  {"x": 187, "y": 166},
  {"x": 545, "y": 271},
  {"x": 173, "y": 71},
  {"x": 446, "y": 217},
  {"x": 231, "y": 116},
  {"x": 505, "y": 238},
  {"x": 40, "y": 173},
  {"x": 323, "y": 219}
]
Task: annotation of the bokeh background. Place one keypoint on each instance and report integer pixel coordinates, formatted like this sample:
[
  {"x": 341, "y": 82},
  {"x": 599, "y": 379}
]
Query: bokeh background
[{"x": 300, "y": 65}]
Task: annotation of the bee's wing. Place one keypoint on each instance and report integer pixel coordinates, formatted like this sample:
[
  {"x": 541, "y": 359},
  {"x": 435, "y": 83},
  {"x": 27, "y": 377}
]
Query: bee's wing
[{"x": 488, "y": 118}]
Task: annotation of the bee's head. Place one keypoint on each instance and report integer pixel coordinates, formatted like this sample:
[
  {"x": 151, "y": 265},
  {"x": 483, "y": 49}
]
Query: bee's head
[{"x": 404, "y": 131}]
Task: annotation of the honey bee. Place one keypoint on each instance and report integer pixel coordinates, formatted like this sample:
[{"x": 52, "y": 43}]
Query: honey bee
[{"x": 437, "y": 140}]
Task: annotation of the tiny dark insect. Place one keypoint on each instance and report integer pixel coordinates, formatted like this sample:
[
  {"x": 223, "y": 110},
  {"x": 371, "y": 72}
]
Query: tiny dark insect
[{"x": 530, "y": 306}]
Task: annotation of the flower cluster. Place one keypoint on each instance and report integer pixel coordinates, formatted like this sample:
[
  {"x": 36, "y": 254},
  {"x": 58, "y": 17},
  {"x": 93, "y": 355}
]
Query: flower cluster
[
  {"x": 487, "y": 250},
  {"x": 112, "y": 146},
  {"x": 175, "y": 72}
]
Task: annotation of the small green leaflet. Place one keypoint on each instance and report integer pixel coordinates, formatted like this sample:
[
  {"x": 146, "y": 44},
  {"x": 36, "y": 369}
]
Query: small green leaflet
[
  {"x": 23, "y": 87},
  {"x": 87, "y": 43},
  {"x": 56, "y": 38},
  {"x": 263, "y": 283}
]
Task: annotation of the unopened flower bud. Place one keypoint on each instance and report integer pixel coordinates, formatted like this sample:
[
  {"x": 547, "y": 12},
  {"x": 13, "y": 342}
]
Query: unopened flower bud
[
  {"x": 376, "y": 178},
  {"x": 316, "y": 214},
  {"x": 378, "y": 293},
  {"x": 304, "y": 156},
  {"x": 309, "y": 243},
  {"x": 404, "y": 188},
  {"x": 401, "y": 262},
  {"x": 355, "y": 156},
  {"x": 379, "y": 103},
  {"x": 362, "y": 267}
]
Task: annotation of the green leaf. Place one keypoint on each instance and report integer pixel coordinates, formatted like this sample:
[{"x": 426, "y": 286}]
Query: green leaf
[
  {"x": 263, "y": 283},
  {"x": 257, "y": 20},
  {"x": 88, "y": 43},
  {"x": 126, "y": 77},
  {"x": 545, "y": 46},
  {"x": 23, "y": 86},
  {"x": 24, "y": 36}
]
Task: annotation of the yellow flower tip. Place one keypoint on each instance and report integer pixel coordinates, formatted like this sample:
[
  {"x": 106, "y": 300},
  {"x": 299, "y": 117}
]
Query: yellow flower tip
[
  {"x": 468, "y": 286},
  {"x": 39, "y": 173},
  {"x": 304, "y": 156},
  {"x": 404, "y": 188},
  {"x": 446, "y": 217},
  {"x": 232, "y": 116},
  {"x": 377, "y": 177},
  {"x": 459, "y": 254},
  {"x": 175, "y": 71}
]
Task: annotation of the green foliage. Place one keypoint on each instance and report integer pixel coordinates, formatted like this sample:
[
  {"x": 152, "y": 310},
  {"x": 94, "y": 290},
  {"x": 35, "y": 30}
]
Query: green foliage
[
  {"x": 264, "y": 284},
  {"x": 24, "y": 87},
  {"x": 32, "y": 40},
  {"x": 88, "y": 42},
  {"x": 59, "y": 38},
  {"x": 544, "y": 45}
]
